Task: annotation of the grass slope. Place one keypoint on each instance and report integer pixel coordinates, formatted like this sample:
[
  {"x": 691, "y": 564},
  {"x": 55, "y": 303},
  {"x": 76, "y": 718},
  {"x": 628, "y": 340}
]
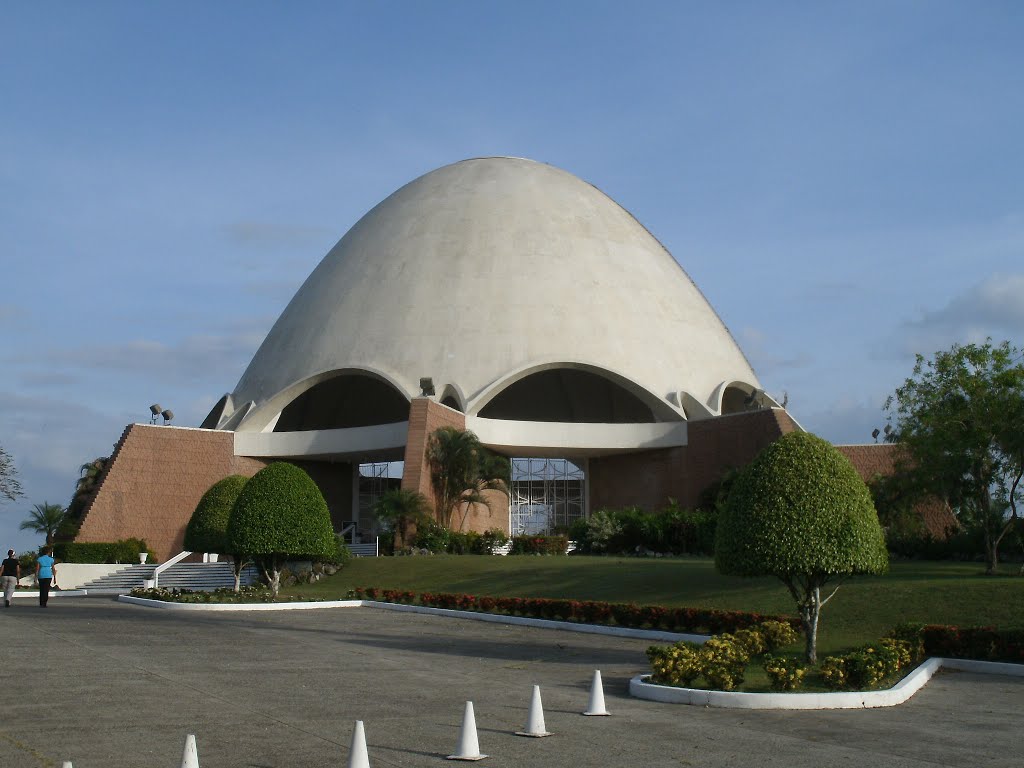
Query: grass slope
[{"x": 862, "y": 611}]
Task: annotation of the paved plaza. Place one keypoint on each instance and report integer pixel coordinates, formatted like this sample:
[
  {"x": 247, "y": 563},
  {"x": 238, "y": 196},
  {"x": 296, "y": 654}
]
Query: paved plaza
[{"x": 108, "y": 685}]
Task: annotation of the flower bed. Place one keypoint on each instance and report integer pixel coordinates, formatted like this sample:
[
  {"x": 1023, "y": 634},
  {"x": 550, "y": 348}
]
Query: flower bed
[
  {"x": 249, "y": 594},
  {"x": 690, "y": 620}
]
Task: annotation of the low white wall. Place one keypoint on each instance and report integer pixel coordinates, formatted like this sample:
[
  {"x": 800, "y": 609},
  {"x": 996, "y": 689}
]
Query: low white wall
[{"x": 74, "y": 575}]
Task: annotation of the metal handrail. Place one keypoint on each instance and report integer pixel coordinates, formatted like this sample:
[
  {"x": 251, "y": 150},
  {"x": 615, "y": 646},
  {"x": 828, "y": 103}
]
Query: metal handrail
[{"x": 164, "y": 566}]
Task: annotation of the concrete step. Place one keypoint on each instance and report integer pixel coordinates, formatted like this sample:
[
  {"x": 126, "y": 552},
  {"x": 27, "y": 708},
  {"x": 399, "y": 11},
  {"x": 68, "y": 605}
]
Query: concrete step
[{"x": 199, "y": 577}]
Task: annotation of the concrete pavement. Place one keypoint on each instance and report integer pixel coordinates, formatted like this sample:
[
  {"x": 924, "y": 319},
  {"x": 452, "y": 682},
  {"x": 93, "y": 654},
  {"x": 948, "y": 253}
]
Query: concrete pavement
[{"x": 115, "y": 686}]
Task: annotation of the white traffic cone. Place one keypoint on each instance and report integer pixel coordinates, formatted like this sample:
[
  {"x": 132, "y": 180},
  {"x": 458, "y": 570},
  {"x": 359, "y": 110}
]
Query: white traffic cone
[
  {"x": 469, "y": 747},
  {"x": 357, "y": 757},
  {"x": 190, "y": 758},
  {"x": 535, "y": 721},
  {"x": 596, "y": 706}
]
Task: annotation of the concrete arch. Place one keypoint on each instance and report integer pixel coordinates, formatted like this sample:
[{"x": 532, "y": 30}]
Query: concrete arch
[
  {"x": 452, "y": 397},
  {"x": 265, "y": 418},
  {"x": 660, "y": 409}
]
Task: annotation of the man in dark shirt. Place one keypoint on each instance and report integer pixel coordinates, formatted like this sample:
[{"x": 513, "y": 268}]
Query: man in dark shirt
[{"x": 11, "y": 574}]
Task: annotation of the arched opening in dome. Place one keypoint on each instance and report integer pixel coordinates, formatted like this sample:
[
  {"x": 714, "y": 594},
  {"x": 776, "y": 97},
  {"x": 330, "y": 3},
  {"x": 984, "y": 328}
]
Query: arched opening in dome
[
  {"x": 216, "y": 414},
  {"x": 452, "y": 398},
  {"x": 342, "y": 402},
  {"x": 568, "y": 395},
  {"x": 736, "y": 400}
]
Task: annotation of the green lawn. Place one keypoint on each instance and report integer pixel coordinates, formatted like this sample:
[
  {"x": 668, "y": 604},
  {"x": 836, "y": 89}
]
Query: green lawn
[{"x": 862, "y": 611}]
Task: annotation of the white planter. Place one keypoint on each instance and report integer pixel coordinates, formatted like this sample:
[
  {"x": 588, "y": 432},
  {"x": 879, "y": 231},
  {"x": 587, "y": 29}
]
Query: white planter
[
  {"x": 143, "y": 556},
  {"x": 150, "y": 583}
]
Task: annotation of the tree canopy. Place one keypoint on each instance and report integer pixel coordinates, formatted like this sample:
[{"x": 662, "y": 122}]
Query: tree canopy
[
  {"x": 208, "y": 527},
  {"x": 10, "y": 486},
  {"x": 461, "y": 469},
  {"x": 280, "y": 514},
  {"x": 960, "y": 417},
  {"x": 800, "y": 512}
]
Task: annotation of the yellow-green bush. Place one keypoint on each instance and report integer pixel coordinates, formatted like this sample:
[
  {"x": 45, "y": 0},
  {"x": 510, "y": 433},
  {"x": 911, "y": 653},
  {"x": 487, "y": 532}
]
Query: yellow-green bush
[
  {"x": 777, "y": 634},
  {"x": 724, "y": 661},
  {"x": 679, "y": 664},
  {"x": 784, "y": 673},
  {"x": 752, "y": 640}
]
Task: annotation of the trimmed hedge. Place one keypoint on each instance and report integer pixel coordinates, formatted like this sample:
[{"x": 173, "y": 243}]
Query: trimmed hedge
[
  {"x": 694, "y": 620},
  {"x": 633, "y": 530},
  {"x": 207, "y": 528},
  {"x": 800, "y": 510},
  {"x": 539, "y": 545},
  {"x": 281, "y": 512},
  {"x": 984, "y": 643},
  {"x": 124, "y": 551}
]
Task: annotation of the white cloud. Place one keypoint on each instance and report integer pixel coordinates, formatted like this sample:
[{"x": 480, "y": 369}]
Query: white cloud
[{"x": 994, "y": 307}]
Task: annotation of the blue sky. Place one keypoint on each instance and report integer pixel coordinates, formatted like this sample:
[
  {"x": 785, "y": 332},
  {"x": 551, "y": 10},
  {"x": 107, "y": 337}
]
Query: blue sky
[{"x": 842, "y": 180}]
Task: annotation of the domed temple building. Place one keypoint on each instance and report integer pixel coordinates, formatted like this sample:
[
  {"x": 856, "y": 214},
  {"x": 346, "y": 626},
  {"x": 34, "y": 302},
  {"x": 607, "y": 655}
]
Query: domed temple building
[{"x": 499, "y": 295}]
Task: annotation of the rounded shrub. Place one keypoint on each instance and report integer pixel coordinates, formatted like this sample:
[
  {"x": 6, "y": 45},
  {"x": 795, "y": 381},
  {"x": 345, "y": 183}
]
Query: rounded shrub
[
  {"x": 800, "y": 512},
  {"x": 800, "y": 507},
  {"x": 208, "y": 526},
  {"x": 281, "y": 514}
]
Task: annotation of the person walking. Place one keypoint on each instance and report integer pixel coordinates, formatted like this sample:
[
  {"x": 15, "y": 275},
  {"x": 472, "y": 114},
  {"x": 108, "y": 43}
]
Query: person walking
[
  {"x": 11, "y": 574},
  {"x": 46, "y": 573}
]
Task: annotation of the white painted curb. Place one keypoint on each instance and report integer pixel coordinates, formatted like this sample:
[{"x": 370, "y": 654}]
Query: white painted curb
[
  {"x": 899, "y": 693},
  {"x": 53, "y": 593},
  {"x": 305, "y": 606},
  {"x": 572, "y": 626}
]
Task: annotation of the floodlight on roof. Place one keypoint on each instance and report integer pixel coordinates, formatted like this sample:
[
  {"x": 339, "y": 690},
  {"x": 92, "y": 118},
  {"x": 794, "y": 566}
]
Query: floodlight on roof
[
  {"x": 168, "y": 415},
  {"x": 154, "y": 411},
  {"x": 875, "y": 433}
]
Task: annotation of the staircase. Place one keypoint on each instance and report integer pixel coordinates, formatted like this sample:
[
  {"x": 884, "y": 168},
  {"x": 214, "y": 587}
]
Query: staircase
[{"x": 199, "y": 577}]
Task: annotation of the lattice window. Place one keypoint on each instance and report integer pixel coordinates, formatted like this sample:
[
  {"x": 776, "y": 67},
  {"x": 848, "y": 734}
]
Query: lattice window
[
  {"x": 546, "y": 494},
  {"x": 375, "y": 479}
]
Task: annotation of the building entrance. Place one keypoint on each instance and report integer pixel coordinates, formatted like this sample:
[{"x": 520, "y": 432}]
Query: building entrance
[{"x": 546, "y": 494}]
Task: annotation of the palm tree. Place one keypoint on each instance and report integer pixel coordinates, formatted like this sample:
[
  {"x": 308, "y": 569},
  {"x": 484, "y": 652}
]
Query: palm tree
[
  {"x": 400, "y": 508},
  {"x": 461, "y": 469},
  {"x": 45, "y": 519},
  {"x": 88, "y": 481}
]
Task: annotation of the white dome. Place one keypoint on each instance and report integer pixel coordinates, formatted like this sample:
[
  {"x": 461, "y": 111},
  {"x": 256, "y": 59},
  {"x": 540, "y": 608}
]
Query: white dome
[{"x": 482, "y": 273}]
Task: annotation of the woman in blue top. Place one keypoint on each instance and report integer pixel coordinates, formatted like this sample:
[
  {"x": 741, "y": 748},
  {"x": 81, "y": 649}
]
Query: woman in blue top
[{"x": 46, "y": 572}]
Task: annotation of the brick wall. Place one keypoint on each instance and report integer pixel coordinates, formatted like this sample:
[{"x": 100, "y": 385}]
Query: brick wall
[
  {"x": 425, "y": 416},
  {"x": 881, "y": 459},
  {"x": 154, "y": 479},
  {"x": 648, "y": 479}
]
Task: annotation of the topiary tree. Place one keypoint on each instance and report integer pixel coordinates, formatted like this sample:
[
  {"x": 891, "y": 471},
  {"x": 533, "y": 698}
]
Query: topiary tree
[
  {"x": 280, "y": 514},
  {"x": 801, "y": 512},
  {"x": 207, "y": 529}
]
